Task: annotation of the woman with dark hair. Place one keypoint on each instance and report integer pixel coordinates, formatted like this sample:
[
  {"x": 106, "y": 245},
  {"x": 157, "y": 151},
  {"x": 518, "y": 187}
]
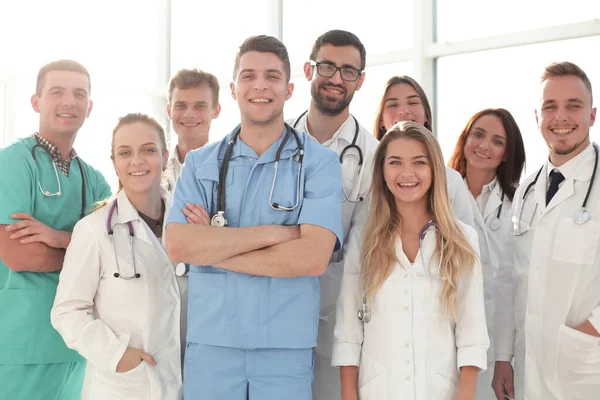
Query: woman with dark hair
[
  {"x": 404, "y": 99},
  {"x": 490, "y": 155}
]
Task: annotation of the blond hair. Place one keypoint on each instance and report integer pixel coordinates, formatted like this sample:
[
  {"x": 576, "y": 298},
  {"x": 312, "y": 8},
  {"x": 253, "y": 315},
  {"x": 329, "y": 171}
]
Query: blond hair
[{"x": 383, "y": 223}]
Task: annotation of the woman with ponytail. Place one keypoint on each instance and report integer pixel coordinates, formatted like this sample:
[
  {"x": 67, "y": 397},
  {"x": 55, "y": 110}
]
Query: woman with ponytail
[{"x": 119, "y": 302}]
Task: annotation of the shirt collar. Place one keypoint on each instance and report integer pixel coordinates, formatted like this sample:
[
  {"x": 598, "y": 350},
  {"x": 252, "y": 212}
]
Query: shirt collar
[
  {"x": 126, "y": 211},
  {"x": 346, "y": 131},
  {"x": 242, "y": 149},
  {"x": 490, "y": 186},
  {"x": 569, "y": 169},
  {"x": 52, "y": 150}
]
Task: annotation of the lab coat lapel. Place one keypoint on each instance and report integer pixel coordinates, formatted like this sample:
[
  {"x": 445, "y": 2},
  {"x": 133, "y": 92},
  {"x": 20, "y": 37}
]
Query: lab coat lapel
[
  {"x": 494, "y": 201},
  {"x": 540, "y": 189},
  {"x": 128, "y": 213}
]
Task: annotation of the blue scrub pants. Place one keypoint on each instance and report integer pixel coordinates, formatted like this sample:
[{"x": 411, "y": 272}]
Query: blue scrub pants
[
  {"x": 223, "y": 373},
  {"x": 60, "y": 381}
]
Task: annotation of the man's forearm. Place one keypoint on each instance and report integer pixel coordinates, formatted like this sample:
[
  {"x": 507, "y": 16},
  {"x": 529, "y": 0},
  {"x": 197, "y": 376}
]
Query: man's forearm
[
  {"x": 209, "y": 245},
  {"x": 37, "y": 257},
  {"x": 299, "y": 257}
]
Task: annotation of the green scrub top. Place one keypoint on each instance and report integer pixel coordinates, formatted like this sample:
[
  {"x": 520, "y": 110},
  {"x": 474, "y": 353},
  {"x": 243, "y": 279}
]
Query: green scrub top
[{"x": 26, "y": 298}]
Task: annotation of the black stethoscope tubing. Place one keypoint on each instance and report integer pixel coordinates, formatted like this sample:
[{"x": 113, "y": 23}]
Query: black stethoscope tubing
[{"x": 225, "y": 165}]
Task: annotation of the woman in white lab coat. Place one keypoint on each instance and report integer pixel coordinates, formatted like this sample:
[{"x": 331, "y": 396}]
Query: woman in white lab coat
[
  {"x": 403, "y": 99},
  {"x": 118, "y": 301},
  {"x": 490, "y": 155},
  {"x": 420, "y": 332}
]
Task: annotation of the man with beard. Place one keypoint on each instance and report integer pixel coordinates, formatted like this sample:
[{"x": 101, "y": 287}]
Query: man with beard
[{"x": 336, "y": 71}]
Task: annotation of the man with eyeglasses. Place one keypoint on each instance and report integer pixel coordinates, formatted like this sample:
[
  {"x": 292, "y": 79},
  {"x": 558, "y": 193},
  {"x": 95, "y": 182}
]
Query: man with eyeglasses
[{"x": 336, "y": 72}]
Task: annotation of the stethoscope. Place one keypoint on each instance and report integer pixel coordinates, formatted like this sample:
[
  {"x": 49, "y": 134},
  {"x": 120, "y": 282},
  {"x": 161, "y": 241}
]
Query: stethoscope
[
  {"x": 48, "y": 193},
  {"x": 351, "y": 146},
  {"x": 580, "y": 216},
  {"x": 109, "y": 229},
  {"x": 364, "y": 313},
  {"x": 219, "y": 218},
  {"x": 182, "y": 269},
  {"x": 496, "y": 223}
]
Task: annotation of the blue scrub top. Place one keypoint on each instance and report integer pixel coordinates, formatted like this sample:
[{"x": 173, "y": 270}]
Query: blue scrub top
[{"x": 247, "y": 311}]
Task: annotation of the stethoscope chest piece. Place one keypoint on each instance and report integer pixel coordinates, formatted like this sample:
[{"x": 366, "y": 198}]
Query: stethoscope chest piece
[
  {"x": 364, "y": 314},
  {"x": 495, "y": 224},
  {"x": 182, "y": 269},
  {"x": 218, "y": 219},
  {"x": 581, "y": 216}
]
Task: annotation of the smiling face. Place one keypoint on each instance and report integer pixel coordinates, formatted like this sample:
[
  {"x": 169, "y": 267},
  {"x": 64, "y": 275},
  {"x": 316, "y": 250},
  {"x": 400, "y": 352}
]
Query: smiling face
[
  {"x": 192, "y": 111},
  {"x": 485, "y": 146},
  {"x": 63, "y": 103},
  {"x": 138, "y": 158},
  {"x": 261, "y": 88},
  {"x": 402, "y": 103},
  {"x": 565, "y": 117},
  {"x": 333, "y": 95},
  {"x": 407, "y": 171}
]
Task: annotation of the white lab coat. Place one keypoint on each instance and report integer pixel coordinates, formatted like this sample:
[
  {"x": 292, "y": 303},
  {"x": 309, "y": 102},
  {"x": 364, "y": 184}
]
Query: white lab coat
[
  {"x": 557, "y": 287},
  {"x": 411, "y": 348},
  {"x": 496, "y": 265},
  {"x": 100, "y": 315},
  {"x": 459, "y": 197},
  {"x": 327, "y": 378},
  {"x": 172, "y": 172}
]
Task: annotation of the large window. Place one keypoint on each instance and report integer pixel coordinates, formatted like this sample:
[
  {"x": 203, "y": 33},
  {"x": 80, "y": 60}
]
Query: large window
[
  {"x": 304, "y": 21},
  {"x": 121, "y": 43},
  {"x": 474, "y": 19},
  {"x": 486, "y": 54},
  {"x": 507, "y": 78},
  {"x": 207, "y": 35}
]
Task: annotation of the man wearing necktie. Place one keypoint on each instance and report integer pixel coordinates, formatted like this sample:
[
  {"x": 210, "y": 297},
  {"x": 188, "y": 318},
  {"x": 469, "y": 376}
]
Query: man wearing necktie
[{"x": 552, "y": 336}]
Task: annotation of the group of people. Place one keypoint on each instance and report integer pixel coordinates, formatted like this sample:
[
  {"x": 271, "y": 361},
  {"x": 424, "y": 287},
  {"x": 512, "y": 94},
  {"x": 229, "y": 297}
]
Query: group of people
[{"x": 301, "y": 259}]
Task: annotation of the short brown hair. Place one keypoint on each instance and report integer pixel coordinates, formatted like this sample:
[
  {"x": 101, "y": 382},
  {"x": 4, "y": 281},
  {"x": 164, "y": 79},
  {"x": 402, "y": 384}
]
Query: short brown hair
[
  {"x": 264, "y": 44},
  {"x": 339, "y": 38},
  {"x": 565, "y": 68},
  {"x": 193, "y": 78},
  {"x": 60, "y": 65}
]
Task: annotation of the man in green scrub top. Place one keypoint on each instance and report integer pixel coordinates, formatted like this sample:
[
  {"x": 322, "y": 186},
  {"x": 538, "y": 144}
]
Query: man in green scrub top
[{"x": 44, "y": 190}]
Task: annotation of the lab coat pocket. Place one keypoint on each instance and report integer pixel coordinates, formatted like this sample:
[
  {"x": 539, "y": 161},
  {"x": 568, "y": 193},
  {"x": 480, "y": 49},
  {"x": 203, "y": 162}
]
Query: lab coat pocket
[
  {"x": 371, "y": 380},
  {"x": 444, "y": 386},
  {"x": 578, "y": 357},
  {"x": 577, "y": 244},
  {"x": 17, "y": 330},
  {"x": 133, "y": 384}
]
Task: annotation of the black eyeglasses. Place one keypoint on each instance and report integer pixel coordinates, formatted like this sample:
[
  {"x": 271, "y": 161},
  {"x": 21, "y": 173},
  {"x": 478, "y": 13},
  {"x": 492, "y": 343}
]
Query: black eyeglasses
[{"x": 327, "y": 70}]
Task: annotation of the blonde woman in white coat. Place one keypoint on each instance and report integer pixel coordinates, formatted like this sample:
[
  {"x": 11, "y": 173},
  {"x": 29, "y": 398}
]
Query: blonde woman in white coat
[
  {"x": 421, "y": 331},
  {"x": 490, "y": 155},
  {"x": 118, "y": 301}
]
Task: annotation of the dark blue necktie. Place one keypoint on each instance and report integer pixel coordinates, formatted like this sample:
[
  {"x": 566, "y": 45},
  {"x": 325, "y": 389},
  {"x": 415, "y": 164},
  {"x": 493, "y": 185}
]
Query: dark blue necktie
[{"x": 555, "y": 179}]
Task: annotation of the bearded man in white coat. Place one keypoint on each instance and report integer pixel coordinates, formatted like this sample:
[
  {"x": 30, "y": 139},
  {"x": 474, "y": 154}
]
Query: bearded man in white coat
[{"x": 553, "y": 333}]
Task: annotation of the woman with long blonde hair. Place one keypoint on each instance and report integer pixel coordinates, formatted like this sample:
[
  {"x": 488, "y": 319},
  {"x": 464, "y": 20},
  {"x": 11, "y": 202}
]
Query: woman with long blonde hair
[
  {"x": 403, "y": 99},
  {"x": 414, "y": 277}
]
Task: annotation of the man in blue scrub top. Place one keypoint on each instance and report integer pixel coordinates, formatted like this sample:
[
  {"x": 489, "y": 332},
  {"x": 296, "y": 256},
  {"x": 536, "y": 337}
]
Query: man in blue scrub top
[
  {"x": 44, "y": 190},
  {"x": 253, "y": 285}
]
